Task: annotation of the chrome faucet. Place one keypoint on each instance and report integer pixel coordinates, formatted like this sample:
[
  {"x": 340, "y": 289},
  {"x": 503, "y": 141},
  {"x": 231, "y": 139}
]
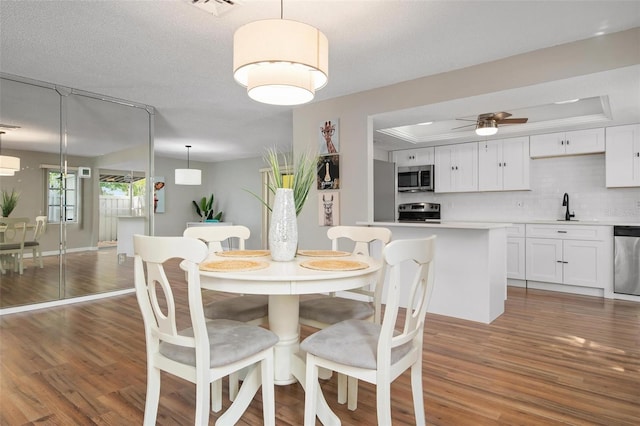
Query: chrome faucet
[{"x": 565, "y": 203}]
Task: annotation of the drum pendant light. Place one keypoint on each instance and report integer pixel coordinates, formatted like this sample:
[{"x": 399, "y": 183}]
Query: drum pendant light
[
  {"x": 280, "y": 62},
  {"x": 188, "y": 176},
  {"x": 8, "y": 165}
]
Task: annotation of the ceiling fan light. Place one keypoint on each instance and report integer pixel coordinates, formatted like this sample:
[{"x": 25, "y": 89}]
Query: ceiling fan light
[
  {"x": 263, "y": 50},
  {"x": 486, "y": 128}
]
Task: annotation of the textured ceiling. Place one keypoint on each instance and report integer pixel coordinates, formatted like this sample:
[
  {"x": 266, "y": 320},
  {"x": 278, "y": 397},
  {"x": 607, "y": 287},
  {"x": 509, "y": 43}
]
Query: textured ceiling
[{"x": 178, "y": 58}]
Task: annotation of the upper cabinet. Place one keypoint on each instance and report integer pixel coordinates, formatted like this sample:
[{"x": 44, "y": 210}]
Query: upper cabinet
[
  {"x": 456, "y": 168},
  {"x": 567, "y": 143},
  {"x": 503, "y": 165},
  {"x": 622, "y": 157},
  {"x": 414, "y": 157}
]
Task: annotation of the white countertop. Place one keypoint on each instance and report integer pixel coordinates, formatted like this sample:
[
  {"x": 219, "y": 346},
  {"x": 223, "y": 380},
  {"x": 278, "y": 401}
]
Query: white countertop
[{"x": 444, "y": 224}]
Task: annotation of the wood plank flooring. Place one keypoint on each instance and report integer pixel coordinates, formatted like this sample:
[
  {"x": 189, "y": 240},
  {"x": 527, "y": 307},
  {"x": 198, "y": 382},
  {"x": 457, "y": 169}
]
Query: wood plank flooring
[{"x": 550, "y": 359}]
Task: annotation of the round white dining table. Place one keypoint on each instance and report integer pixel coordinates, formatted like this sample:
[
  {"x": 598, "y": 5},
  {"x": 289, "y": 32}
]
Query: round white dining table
[{"x": 284, "y": 282}]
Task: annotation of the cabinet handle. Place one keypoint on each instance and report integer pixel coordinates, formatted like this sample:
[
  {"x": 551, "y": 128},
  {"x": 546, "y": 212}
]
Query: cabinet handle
[
  {"x": 499, "y": 164},
  {"x": 567, "y": 141},
  {"x": 564, "y": 262},
  {"x": 452, "y": 168},
  {"x": 561, "y": 142},
  {"x": 637, "y": 154},
  {"x": 504, "y": 164},
  {"x": 562, "y": 232},
  {"x": 456, "y": 167},
  {"x": 558, "y": 261}
]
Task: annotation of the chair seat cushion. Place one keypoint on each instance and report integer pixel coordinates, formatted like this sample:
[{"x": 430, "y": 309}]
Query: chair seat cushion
[
  {"x": 31, "y": 243},
  {"x": 242, "y": 308},
  {"x": 10, "y": 246},
  {"x": 351, "y": 342},
  {"x": 229, "y": 341},
  {"x": 332, "y": 310}
]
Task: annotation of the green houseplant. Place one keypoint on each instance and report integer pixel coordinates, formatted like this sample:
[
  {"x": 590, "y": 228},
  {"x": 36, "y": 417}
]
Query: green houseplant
[
  {"x": 298, "y": 177},
  {"x": 204, "y": 209},
  {"x": 9, "y": 201}
]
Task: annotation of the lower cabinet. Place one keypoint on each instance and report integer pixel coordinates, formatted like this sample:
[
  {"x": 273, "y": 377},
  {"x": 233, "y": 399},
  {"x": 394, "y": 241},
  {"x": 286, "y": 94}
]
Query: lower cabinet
[
  {"x": 570, "y": 255},
  {"x": 515, "y": 252}
]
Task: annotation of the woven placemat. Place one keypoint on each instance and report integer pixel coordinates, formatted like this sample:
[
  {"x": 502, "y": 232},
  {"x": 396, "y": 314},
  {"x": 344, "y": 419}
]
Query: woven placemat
[
  {"x": 233, "y": 265},
  {"x": 334, "y": 265},
  {"x": 243, "y": 253},
  {"x": 323, "y": 253}
]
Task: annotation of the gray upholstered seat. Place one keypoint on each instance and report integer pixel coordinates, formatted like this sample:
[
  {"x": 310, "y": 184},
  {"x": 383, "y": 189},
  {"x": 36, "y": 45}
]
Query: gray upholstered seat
[
  {"x": 246, "y": 308},
  {"x": 331, "y": 310},
  {"x": 229, "y": 341},
  {"x": 352, "y": 342}
]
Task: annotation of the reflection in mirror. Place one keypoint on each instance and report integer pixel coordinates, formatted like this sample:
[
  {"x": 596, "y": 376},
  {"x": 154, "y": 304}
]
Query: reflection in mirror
[{"x": 71, "y": 143}]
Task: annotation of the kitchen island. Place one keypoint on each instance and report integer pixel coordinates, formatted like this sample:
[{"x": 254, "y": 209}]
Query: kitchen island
[{"x": 470, "y": 266}]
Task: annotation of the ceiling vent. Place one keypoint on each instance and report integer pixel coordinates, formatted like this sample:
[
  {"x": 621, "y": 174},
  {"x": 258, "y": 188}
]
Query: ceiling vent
[{"x": 216, "y": 7}]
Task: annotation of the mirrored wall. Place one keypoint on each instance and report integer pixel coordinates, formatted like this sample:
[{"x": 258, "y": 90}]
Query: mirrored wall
[{"x": 85, "y": 165}]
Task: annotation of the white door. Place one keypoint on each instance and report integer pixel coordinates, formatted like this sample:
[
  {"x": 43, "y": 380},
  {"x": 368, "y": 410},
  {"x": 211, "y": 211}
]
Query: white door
[
  {"x": 515, "y": 258},
  {"x": 585, "y": 141},
  {"x": 547, "y": 145},
  {"x": 444, "y": 169},
  {"x": 622, "y": 158},
  {"x": 515, "y": 163},
  {"x": 466, "y": 171},
  {"x": 490, "y": 166},
  {"x": 584, "y": 263},
  {"x": 544, "y": 260}
]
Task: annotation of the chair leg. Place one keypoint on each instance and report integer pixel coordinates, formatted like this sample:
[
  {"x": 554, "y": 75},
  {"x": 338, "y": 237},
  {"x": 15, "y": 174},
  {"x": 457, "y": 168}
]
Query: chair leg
[
  {"x": 234, "y": 380},
  {"x": 383, "y": 400},
  {"x": 416, "y": 389},
  {"x": 310, "y": 392},
  {"x": 342, "y": 388},
  {"x": 268, "y": 391},
  {"x": 352, "y": 393},
  {"x": 216, "y": 395},
  {"x": 202, "y": 401},
  {"x": 153, "y": 396}
]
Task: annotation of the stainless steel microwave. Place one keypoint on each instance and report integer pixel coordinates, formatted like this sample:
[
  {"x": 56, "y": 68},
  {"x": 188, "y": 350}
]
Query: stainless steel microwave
[{"x": 415, "y": 178}]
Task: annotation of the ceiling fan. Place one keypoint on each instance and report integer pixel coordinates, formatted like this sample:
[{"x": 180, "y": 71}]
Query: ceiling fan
[{"x": 487, "y": 123}]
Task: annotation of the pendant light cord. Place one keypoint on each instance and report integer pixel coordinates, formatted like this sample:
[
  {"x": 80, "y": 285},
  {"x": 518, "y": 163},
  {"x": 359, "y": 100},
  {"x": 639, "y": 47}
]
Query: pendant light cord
[
  {"x": 281, "y": 8},
  {"x": 188, "y": 148}
]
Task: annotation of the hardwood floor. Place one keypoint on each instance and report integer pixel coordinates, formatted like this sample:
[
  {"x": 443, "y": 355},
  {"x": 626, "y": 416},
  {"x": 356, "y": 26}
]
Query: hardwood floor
[{"x": 551, "y": 358}]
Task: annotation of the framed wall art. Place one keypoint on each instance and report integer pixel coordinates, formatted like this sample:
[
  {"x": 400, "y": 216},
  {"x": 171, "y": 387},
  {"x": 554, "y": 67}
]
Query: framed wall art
[
  {"x": 329, "y": 137},
  {"x": 329, "y": 208},
  {"x": 328, "y": 172},
  {"x": 158, "y": 194}
]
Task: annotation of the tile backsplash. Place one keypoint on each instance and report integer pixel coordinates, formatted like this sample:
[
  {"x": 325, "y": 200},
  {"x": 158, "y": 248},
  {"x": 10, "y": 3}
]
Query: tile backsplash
[{"x": 582, "y": 177}]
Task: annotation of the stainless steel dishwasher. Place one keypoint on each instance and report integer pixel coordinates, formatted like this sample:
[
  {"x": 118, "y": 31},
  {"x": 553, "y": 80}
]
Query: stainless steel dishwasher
[{"x": 626, "y": 279}]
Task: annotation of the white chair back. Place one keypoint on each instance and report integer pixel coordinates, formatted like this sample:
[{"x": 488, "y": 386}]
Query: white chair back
[
  {"x": 215, "y": 235},
  {"x": 41, "y": 227},
  {"x": 362, "y": 236},
  {"x": 14, "y": 229},
  {"x": 400, "y": 256}
]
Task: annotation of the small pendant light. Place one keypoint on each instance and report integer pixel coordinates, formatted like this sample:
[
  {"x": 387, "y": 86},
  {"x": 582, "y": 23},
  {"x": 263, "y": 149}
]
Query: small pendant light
[{"x": 188, "y": 176}]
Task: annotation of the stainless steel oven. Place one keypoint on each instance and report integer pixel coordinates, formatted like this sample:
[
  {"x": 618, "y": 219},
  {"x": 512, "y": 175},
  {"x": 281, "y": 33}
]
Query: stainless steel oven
[{"x": 415, "y": 178}]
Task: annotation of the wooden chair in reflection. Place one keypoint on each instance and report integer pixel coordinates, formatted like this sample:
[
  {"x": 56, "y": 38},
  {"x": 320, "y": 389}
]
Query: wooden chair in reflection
[
  {"x": 14, "y": 231},
  {"x": 34, "y": 244}
]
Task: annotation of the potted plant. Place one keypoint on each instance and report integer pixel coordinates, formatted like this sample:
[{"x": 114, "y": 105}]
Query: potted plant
[
  {"x": 9, "y": 201},
  {"x": 291, "y": 186},
  {"x": 204, "y": 209}
]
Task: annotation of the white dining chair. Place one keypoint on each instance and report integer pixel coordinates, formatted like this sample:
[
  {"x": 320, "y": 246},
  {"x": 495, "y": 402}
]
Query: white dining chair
[
  {"x": 206, "y": 351},
  {"x": 379, "y": 353},
  {"x": 321, "y": 312},
  {"x": 251, "y": 309},
  {"x": 34, "y": 244},
  {"x": 12, "y": 246}
]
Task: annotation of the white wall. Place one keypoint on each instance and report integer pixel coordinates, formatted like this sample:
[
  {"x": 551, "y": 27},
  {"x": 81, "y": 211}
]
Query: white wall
[
  {"x": 230, "y": 181},
  {"x": 582, "y": 177},
  {"x": 355, "y": 111}
]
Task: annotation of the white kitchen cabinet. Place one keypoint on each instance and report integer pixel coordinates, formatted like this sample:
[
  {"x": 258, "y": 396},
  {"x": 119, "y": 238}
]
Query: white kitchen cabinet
[
  {"x": 622, "y": 156},
  {"x": 456, "y": 168},
  {"x": 503, "y": 164},
  {"x": 414, "y": 157},
  {"x": 516, "y": 252},
  {"x": 569, "y": 254},
  {"x": 567, "y": 143}
]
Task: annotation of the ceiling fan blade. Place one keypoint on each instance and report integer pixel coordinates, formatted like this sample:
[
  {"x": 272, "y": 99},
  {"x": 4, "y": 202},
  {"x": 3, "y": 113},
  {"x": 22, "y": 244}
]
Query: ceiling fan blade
[
  {"x": 468, "y": 125},
  {"x": 499, "y": 116},
  {"x": 467, "y": 119},
  {"x": 512, "y": 121}
]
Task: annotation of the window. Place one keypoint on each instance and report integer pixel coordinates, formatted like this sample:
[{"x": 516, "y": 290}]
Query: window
[{"x": 62, "y": 196}]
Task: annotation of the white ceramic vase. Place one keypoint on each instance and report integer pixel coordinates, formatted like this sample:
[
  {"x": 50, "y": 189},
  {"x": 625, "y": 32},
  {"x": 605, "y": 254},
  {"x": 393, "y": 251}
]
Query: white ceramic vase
[{"x": 283, "y": 229}]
